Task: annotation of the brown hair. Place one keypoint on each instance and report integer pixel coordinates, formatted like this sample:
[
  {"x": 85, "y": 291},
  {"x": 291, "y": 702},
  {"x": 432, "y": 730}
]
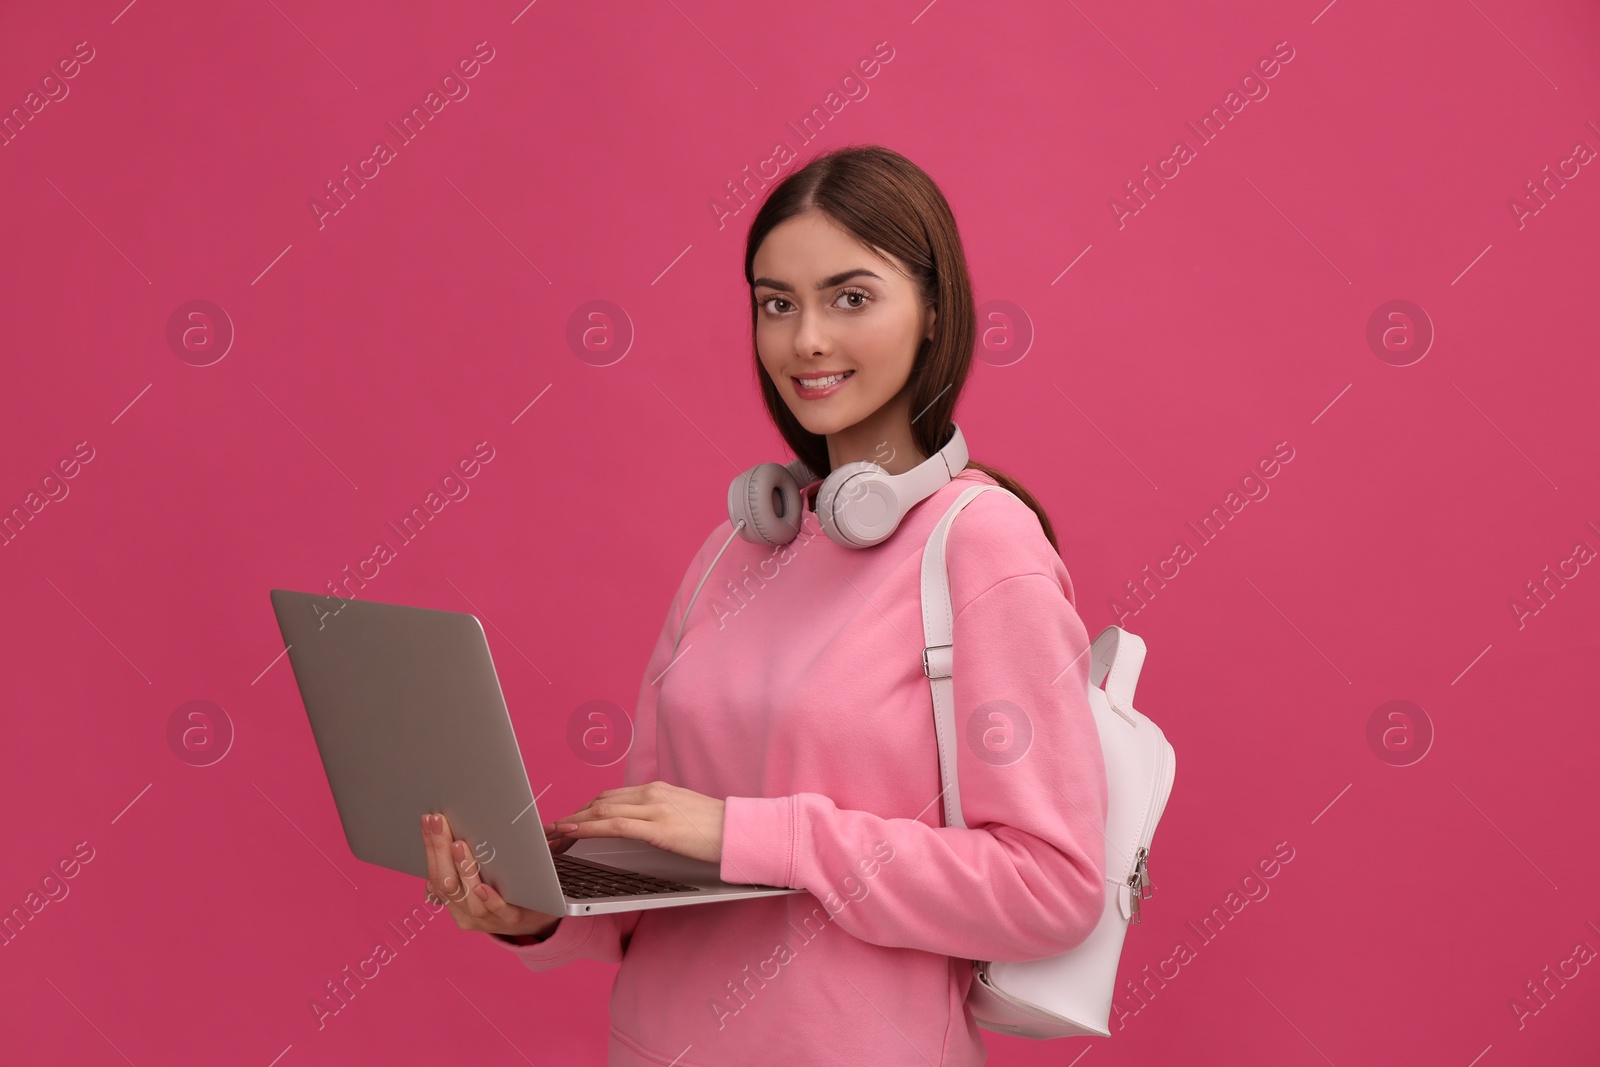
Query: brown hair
[{"x": 890, "y": 204}]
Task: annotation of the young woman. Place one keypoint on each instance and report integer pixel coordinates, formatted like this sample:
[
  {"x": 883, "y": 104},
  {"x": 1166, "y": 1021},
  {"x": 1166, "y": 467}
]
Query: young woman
[{"x": 787, "y": 731}]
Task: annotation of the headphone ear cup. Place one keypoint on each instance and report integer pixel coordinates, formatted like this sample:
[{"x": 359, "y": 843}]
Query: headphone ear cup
[
  {"x": 857, "y": 506},
  {"x": 767, "y": 500}
]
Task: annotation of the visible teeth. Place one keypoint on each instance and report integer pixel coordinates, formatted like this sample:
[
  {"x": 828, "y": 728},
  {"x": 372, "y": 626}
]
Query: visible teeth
[{"x": 821, "y": 383}]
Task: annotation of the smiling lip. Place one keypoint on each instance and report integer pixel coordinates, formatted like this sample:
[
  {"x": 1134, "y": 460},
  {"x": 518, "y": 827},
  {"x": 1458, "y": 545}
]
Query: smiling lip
[{"x": 817, "y": 394}]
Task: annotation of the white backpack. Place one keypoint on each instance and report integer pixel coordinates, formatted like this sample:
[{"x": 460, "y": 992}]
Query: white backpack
[{"x": 1067, "y": 995}]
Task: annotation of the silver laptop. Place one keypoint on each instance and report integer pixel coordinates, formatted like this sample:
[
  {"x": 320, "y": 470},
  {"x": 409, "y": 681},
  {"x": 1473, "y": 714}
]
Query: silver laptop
[{"x": 408, "y": 716}]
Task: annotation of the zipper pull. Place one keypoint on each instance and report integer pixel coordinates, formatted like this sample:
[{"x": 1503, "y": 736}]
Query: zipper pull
[
  {"x": 1142, "y": 869},
  {"x": 1133, "y": 896}
]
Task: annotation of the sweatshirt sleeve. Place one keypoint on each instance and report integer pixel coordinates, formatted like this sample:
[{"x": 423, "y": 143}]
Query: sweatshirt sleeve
[
  {"x": 1025, "y": 878},
  {"x": 605, "y": 937}
]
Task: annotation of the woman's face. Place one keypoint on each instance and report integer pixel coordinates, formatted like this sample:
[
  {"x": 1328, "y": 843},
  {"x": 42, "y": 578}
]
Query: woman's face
[{"x": 827, "y": 305}]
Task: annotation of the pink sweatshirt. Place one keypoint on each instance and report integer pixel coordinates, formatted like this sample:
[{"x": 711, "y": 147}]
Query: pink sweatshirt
[{"x": 798, "y": 695}]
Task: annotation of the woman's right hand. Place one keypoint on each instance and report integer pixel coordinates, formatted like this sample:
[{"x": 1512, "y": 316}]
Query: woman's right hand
[{"x": 453, "y": 880}]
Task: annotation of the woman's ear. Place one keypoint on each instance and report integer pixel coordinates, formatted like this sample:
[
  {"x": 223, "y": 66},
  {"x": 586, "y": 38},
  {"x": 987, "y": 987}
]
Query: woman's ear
[{"x": 933, "y": 313}]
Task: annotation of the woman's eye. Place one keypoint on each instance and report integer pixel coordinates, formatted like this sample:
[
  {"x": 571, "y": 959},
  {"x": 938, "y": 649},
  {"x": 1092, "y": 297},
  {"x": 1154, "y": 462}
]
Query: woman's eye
[{"x": 861, "y": 296}]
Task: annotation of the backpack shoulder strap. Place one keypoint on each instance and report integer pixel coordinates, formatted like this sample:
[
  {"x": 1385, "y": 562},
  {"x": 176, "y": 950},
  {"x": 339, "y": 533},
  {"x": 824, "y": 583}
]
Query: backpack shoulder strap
[
  {"x": 938, "y": 630},
  {"x": 1116, "y": 660}
]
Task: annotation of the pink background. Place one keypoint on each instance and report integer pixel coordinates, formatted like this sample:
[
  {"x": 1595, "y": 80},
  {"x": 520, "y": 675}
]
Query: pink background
[{"x": 375, "y": 350}]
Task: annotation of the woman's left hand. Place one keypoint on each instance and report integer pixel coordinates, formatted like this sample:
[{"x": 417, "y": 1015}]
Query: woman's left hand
[{"x": 658, "y": 813}]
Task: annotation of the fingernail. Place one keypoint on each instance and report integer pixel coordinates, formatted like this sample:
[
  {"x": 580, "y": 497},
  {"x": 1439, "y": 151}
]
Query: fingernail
[
  {"x": 483, "y": 891},
  {"x": 565, "y": 826}
]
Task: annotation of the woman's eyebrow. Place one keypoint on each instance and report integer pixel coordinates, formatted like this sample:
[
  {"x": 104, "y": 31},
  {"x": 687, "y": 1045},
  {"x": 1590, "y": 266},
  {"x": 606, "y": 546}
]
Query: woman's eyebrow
[{"x": 826, "y": 283}]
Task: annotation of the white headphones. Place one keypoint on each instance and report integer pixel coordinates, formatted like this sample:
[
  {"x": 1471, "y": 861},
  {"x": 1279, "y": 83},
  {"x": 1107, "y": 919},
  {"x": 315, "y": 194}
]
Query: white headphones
[{"x": 859, "y": 505}]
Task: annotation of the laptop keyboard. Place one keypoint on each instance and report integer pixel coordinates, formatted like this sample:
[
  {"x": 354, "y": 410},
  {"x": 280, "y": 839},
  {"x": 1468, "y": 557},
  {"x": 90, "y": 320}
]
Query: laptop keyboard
[{"x": 580, "y": 879}]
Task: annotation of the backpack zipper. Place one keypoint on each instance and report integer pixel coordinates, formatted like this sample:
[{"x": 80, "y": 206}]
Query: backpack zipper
[{"x": 1139, "y": 877}]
